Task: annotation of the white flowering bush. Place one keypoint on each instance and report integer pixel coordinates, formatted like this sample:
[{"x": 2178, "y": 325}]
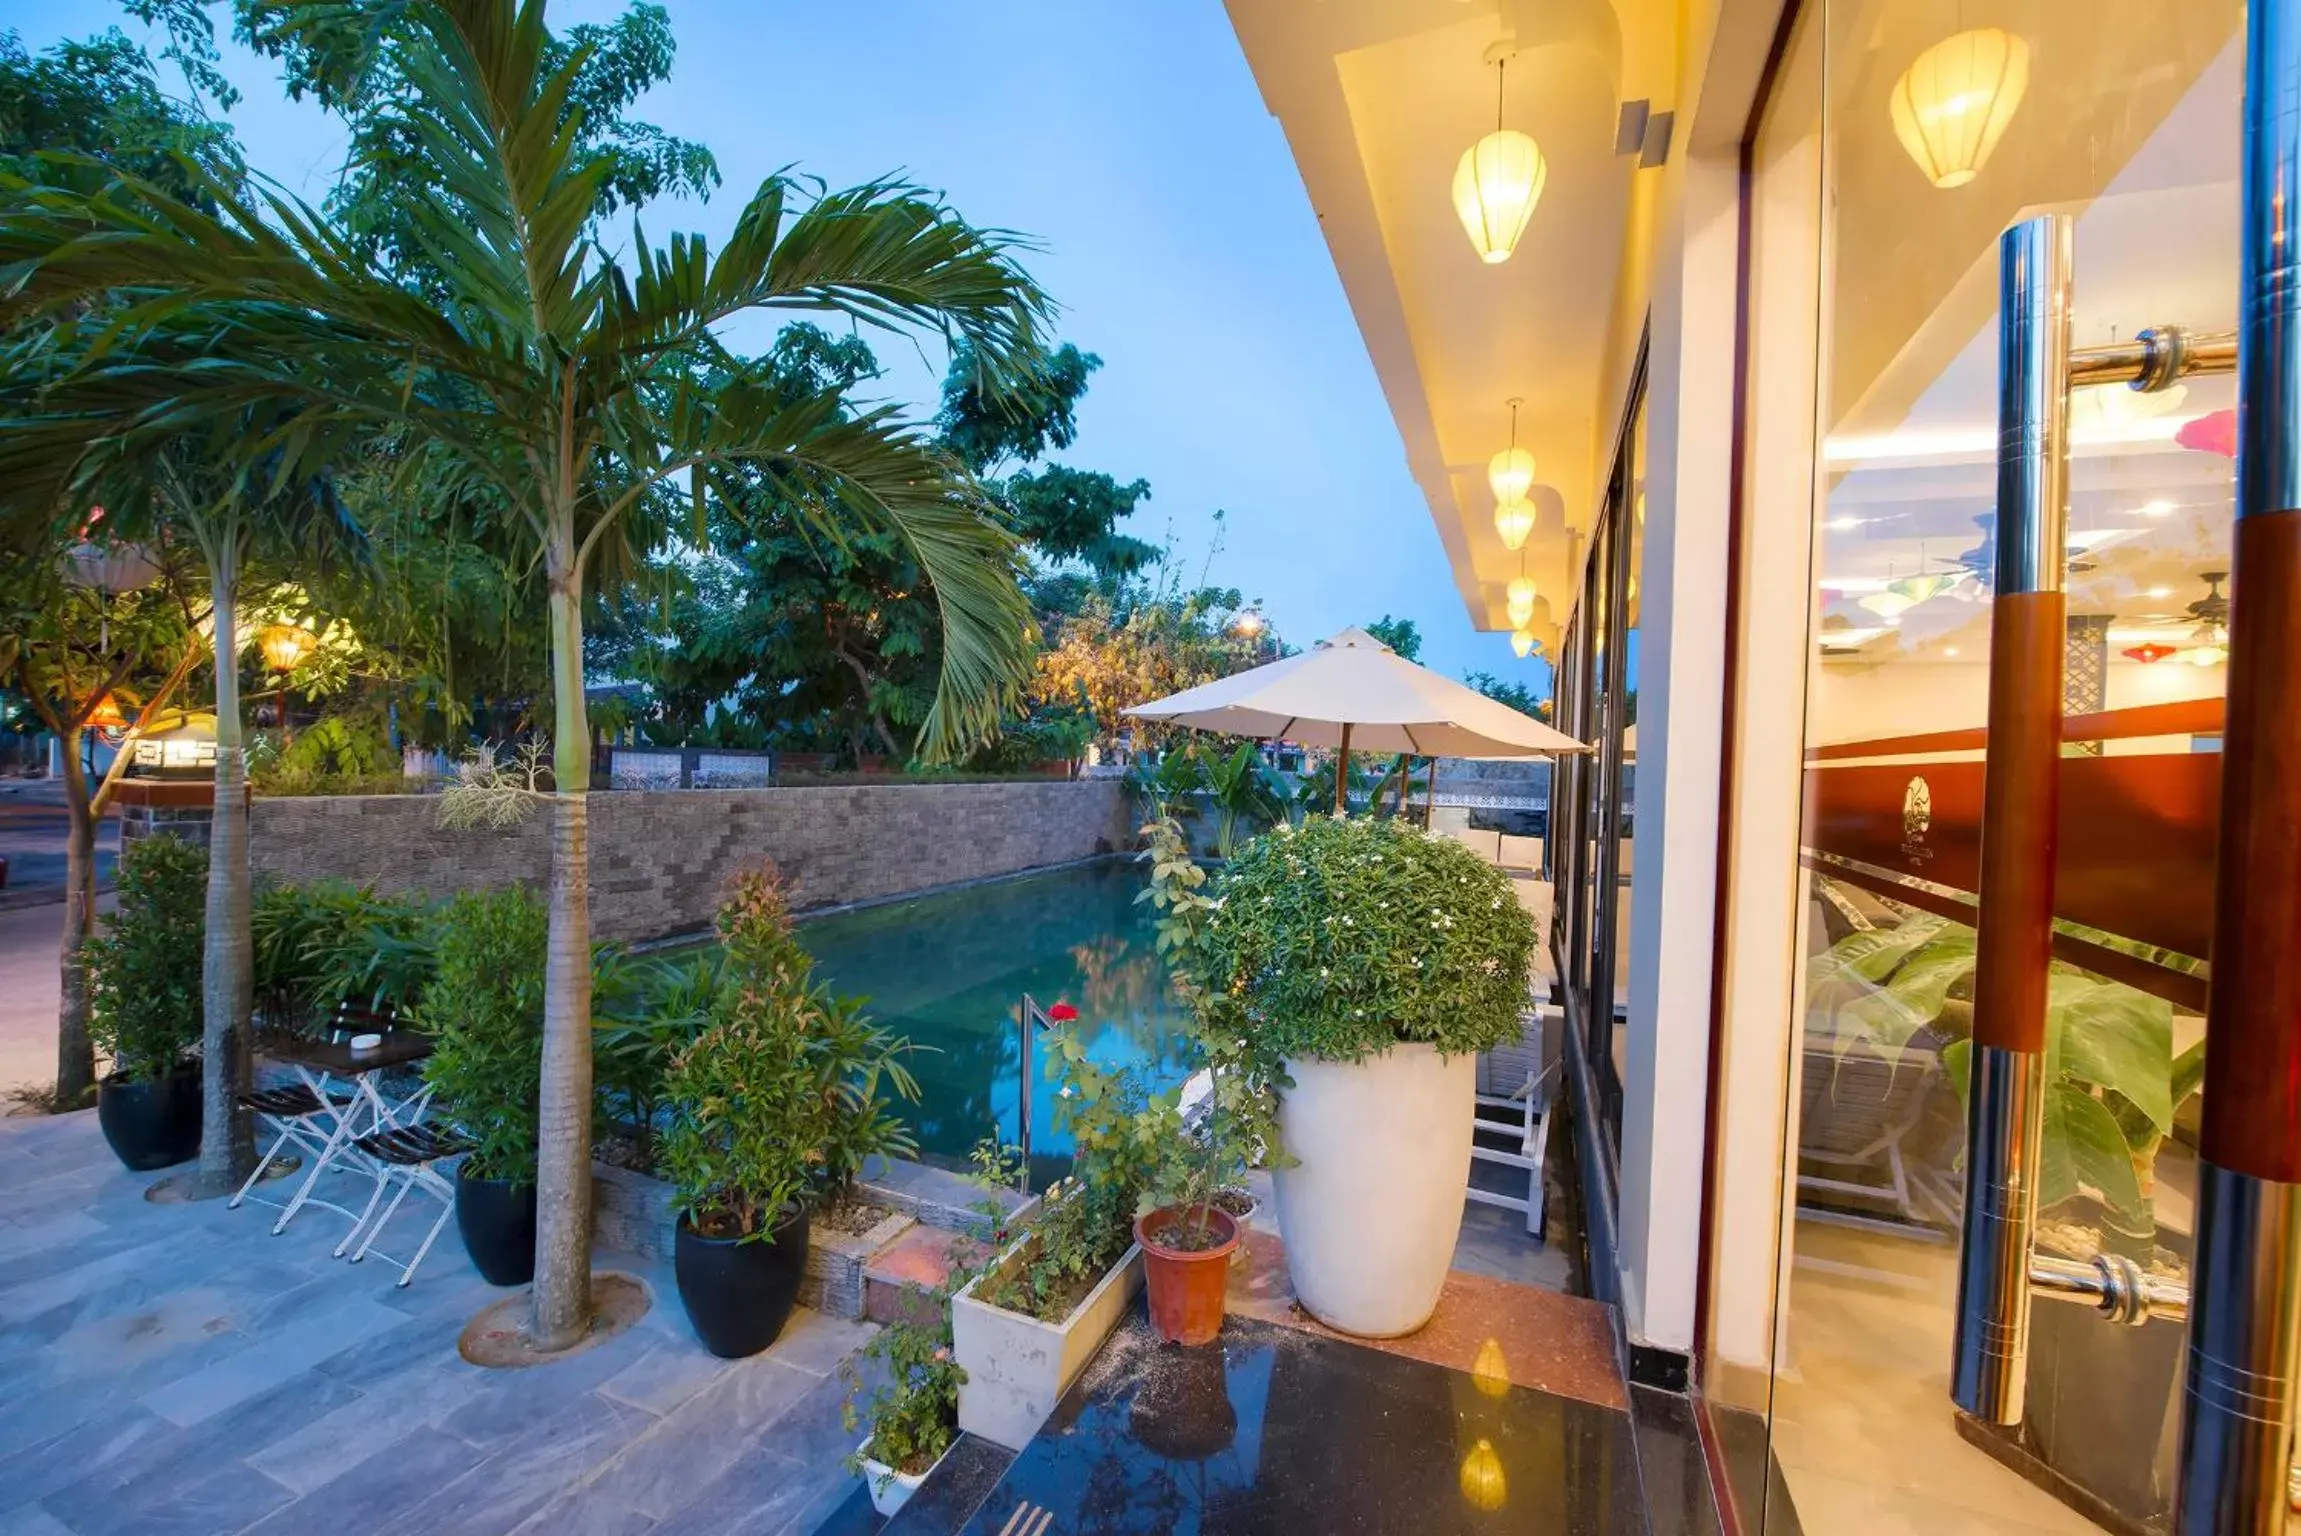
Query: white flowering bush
[{"x": 1339, "y": 939}]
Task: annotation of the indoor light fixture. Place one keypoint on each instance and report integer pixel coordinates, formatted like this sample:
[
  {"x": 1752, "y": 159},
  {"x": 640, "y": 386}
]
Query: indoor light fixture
[
  {"x": 1514, "y": 521},
  {"x": 2155, "y": 509},
  {"x": 1522, "y": 642},
  {"x": 1510, "y": 475},
  {"x": 2145, "y": 654},
  {"x": 2206, "y": 656},
  {"x": 1952, "y": 105},
  {"x": 1498, "y": 180}
]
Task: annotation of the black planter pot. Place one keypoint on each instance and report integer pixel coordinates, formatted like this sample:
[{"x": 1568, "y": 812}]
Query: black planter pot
[
  {"x": 497, "y": 1220},
  {"x": 151, "y": 1124},
  {"x": 739, "y": 1295}
]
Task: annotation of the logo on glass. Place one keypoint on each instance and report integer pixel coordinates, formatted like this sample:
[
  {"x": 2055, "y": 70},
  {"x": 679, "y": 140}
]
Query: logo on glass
[{"x": 1917, "y": 817}]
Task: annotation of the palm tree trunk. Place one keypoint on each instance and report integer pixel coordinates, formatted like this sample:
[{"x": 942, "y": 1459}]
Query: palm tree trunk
[
  {"x": 75, "y": 1056},
  {"x": 228, "y": 963},
  {"x": 562, "y": 1294}
]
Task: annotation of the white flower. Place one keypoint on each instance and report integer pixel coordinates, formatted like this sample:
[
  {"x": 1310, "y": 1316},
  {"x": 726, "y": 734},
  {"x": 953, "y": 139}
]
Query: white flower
[
  {"x": 1347, "y": 923},
  {"x": 1066, "y": 1093}
]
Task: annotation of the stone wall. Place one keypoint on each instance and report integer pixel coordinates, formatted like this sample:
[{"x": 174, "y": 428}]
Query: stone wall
[{"x": 661, "y": 859}]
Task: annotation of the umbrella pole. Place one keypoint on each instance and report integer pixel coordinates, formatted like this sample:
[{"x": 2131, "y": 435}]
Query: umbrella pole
[
  {"x": 1430, "y": 797},
  {"x": 1342, "y": 776}
]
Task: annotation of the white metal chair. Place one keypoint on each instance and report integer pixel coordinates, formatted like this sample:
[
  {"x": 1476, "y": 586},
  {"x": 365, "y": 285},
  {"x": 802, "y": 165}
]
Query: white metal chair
[
  {"x": 1521, "y": 1112},
  {"x": 407, "y": 1153}
]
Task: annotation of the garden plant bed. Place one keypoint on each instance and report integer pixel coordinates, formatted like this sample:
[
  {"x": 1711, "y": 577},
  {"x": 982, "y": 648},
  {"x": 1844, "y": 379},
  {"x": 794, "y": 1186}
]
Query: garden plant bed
[
  {"x": 1019, "y": 1367},
  {"x": 632, "y": 1211}
]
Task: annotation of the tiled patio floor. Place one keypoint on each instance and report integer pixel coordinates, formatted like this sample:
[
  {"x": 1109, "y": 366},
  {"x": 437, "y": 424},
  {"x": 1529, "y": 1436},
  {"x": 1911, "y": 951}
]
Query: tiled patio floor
[{"x": 175, "y": 1369}]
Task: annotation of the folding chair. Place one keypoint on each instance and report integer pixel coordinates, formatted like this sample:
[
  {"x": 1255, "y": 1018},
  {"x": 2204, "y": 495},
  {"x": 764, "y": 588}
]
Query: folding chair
[
  {"x": 1519, "y": 1116},
  {"x": 407, "y": 1153}
]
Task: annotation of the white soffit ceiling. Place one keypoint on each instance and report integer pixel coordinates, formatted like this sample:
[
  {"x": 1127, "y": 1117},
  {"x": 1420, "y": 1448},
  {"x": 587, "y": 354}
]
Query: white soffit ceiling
[{"x": 1378, "y": 99}]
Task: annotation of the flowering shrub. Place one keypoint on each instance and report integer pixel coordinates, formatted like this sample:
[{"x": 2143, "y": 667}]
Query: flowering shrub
[{"x": 1340, "y": 938}]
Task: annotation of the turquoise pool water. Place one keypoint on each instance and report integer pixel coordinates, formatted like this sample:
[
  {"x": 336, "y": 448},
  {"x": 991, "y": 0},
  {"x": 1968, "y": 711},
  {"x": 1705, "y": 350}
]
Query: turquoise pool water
[{"x": 950, "y": 970}]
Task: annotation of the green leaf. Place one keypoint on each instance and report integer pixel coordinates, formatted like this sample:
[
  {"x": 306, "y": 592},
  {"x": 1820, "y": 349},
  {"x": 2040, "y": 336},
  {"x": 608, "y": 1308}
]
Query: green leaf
[
  {"x": 2115, "y": 1037},
  {"x": 2085, "y": 1149}
]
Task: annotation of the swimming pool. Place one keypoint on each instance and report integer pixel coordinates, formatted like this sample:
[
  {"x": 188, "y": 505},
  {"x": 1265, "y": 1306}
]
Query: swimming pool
[{"x": 950, "y": 970}]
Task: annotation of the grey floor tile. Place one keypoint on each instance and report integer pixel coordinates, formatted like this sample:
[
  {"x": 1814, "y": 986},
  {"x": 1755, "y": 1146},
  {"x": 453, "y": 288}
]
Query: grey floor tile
[
  {"x": 665, "y": 1377},
  {"x": 230, "y": 1498},
  {"x": 816, "y": 1342},
  {"x": 526, "y": 1471},
  {"x": 384, "y": 1414},
  {"x": 50, "y": 1234},
  {"x": 371, "y": 1490},
  {"x": 31, "y": 1520},
  {"x": 761, "y": 1495},
  {"x": 662, "y": 1468},
  {"x": 276, "y": 1359},
  {"x": 512, "y": 1401}
]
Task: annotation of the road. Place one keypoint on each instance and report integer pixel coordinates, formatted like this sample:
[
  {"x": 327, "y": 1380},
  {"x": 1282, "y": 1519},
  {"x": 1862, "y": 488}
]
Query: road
[{"x": 32, "y": 827}]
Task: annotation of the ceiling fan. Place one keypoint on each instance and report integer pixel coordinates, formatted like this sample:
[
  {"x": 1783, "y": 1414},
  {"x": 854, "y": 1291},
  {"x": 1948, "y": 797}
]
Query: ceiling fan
[
  {"x": 1981, "y": 561},
  {"x": 2207, "y": 624}
]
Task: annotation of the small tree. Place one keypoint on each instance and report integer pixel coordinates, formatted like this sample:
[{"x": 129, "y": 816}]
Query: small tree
[{"x": 145, "y": 966}]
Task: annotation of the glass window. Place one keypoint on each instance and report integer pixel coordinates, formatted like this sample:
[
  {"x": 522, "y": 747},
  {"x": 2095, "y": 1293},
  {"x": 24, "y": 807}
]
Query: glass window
[{"x": 2122, "y": 117}]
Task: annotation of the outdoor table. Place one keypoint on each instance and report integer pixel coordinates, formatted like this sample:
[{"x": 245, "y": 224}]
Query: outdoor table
[{"x": 327, "y": 1068}]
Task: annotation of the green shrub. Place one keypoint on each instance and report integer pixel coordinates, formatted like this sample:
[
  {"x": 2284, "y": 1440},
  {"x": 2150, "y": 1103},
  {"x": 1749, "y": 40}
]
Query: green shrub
[
  {"x": 144, "y": 969},
  {"x": 484, "y": 1004},
  {"x": 317, "y": 945},
  {"x": 644, "y": 1013},
  {"x": 783, "y": 1095},
  {"x": 1341, "y": 938}
]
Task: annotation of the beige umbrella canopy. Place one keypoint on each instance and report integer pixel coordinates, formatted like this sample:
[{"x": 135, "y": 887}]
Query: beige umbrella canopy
[{"x": 1355, "y": 692}]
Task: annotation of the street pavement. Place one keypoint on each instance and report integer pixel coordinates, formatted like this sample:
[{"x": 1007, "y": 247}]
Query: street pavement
[{"x": 32, "y": 828}]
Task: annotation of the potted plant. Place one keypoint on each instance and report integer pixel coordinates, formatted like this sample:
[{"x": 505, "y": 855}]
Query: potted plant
[
  {"x": 913, "y": 1413},
  {"x": 144, "y": 1004},
  {"x": 1374, "y": 961},
  {"x": 484, "y": 1005},
  {"x": 1026, "y": 1327},
  {"x": 774, "y": 1108}
]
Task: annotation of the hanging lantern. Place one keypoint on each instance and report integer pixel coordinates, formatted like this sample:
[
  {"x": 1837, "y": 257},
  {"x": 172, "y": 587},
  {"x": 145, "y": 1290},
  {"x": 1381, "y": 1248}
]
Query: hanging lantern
[
  {"x": 2145, "y": 654},
  {"x": 107, "y": 715},
  {"x": 1514, "y": 521},
  {"x": 2206, "y": 656},
  {"x": 1497, "y": 182},
  {"x": 1951, "y": 106},
  {"x": 1510, "y": 473},
  {"x": 1522, "y": 641},
  {"x": 284, "y": 645},
  {"x": 1521, "y": 601}
]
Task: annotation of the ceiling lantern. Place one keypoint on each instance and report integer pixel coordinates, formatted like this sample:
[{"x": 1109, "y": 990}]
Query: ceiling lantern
[
  {"x": 1514, "y": 520},
  {"x": 1498, "y": 180},
  {"x": 1521, "y": 601},
  {"x": 1951, "y": 106},
  {"x": 1522, "y": 641}
]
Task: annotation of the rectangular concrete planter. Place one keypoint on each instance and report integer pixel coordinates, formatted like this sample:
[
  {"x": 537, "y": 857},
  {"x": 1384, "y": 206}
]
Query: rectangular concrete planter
[
  {"x": 1018, "y": 1367},
  {"x": 632, "y": 1212}
]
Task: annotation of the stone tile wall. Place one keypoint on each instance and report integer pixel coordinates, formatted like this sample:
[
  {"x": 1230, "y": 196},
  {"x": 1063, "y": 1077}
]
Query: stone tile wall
[{"x": 661, "y": 859}]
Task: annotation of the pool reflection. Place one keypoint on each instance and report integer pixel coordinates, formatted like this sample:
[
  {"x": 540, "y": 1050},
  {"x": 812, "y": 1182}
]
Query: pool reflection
[{"x": 950, "y": 970}]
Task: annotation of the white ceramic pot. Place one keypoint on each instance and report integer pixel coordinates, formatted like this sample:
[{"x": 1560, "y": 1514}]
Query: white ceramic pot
[
  {"x": 1372, "y": 1206},
  {"x": 1017, "y": 1367},
  {"x": 890, "y": 1489}
]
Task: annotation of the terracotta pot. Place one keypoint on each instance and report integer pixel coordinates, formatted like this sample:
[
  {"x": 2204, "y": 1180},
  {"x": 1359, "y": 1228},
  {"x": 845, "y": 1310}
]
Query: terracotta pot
[{"x": 1187, "y": 1286}]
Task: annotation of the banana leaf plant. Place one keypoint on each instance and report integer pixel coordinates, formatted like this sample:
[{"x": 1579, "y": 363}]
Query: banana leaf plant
[
  {"x": 1247, "y": 794},
  {"x": 2113, "y": 1081}
]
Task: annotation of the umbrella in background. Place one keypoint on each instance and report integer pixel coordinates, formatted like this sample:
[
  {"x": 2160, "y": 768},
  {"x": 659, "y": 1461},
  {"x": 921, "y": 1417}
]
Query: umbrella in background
[{"x": 1354, "y": 691}]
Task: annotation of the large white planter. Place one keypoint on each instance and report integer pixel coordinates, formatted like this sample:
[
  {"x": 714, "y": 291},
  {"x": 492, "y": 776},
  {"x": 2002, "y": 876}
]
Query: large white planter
[
  {"x": 1373, "y": 1204},
  {"x": 1018, "y": 1367}
]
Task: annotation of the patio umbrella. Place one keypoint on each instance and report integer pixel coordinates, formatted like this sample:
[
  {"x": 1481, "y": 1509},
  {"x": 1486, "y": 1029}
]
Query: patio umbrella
[{"x": 1354, "y": 691}]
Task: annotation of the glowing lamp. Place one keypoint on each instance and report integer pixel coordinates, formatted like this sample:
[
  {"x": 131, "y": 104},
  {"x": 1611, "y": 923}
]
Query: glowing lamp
[
  {"x": 1497, "y": 182},
  {"x": 2206, "y": 656},
  {"x": 1522, "y": 642},
  {"x": 1514, "y": 520},
  {"x": 283, "y": 645},
  {"x": 1521, "y": 601},
  {"x": 106, "y": 716},
  {"x": 1490, "y": 1372},
  {"x": 1952, "y": 105},
  {"x": 2145, "y": 654},
  {"x": 1510, "y": 473}
]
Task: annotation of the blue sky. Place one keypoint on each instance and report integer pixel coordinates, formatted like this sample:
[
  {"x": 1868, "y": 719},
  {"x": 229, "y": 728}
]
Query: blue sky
[{"x": 1130, "y": 141}]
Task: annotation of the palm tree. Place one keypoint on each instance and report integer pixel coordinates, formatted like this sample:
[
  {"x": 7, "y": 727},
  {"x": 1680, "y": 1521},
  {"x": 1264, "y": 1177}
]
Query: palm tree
[{"x": 575, "y": 388}]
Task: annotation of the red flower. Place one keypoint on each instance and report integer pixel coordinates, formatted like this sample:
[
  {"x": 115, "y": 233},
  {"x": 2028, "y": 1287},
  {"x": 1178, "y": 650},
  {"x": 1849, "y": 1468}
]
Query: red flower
[
  {"x": 2214, "y": 432},
  {"x": 1061, "y": 1013}
]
